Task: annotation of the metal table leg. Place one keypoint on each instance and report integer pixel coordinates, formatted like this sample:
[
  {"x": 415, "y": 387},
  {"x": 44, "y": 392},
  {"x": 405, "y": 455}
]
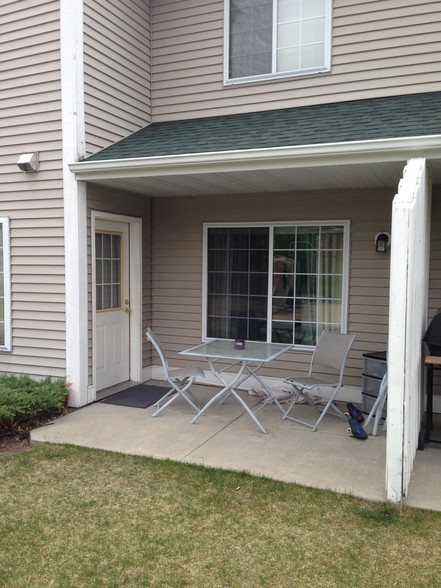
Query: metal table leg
[{"x": 230, "y": 389}]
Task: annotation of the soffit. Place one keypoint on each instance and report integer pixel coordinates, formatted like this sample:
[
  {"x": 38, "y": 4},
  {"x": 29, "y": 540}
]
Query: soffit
[{"x": 243, "y": 182}]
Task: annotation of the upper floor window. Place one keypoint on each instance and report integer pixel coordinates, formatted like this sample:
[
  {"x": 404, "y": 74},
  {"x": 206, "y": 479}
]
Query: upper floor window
[
  {"x": 274, "y": 38},
  {"x": 5, "y": 293},
  {"x": 276, "y": 282}
]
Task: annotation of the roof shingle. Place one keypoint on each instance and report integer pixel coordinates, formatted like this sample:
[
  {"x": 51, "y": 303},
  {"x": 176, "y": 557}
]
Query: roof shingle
[{"x": 359, "y": 120}]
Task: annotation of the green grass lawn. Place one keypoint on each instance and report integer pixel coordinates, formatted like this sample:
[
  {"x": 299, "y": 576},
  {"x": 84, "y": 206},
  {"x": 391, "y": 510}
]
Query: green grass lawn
[{"x": 72, "y": 517}]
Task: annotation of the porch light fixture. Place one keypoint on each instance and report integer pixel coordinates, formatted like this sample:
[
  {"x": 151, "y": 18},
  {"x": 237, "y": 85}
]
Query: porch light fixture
[
  {"x": 382, "y": 242},
  {"x": 28, "y": 162}
]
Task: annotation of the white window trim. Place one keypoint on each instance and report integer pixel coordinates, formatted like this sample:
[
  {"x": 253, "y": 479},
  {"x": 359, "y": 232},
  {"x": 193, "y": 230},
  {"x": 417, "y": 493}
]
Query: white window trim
[
  {"x": 4, "y": 221},
  {"x": 276, "y": 75},
  {"x": 271, "y": 225}
]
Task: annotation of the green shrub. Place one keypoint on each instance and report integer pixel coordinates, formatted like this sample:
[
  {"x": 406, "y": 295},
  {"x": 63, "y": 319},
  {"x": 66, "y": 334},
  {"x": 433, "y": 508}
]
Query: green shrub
[{"x": 25, "y": 402}]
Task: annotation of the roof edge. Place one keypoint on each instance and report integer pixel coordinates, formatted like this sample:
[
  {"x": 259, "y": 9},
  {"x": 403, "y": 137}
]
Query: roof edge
[{"x": 381, "y": 150}]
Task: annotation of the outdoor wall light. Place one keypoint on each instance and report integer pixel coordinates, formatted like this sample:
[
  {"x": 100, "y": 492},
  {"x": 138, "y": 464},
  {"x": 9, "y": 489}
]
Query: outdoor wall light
[
  {"x": 382, "y": 242},
  {"x": 28, "y": 162}
]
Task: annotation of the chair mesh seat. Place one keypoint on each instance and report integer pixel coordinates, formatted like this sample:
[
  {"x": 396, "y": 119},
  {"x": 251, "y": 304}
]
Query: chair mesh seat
[
  {"x": 309, "y": 382},
  {"x": 180, "y": 373},
  {"x": 180, "y": 379},
  {"x": 329, "y": 356}
]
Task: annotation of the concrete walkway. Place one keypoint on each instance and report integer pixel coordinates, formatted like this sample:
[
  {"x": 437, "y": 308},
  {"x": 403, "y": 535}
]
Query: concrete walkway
[{"x": 225, "y": 437}]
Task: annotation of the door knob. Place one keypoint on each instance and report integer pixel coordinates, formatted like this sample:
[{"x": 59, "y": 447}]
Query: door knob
[{"x": 127, "y": 306}]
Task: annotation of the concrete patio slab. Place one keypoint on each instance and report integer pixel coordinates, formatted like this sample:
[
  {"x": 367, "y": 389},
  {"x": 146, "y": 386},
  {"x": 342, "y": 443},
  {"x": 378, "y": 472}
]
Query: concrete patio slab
[
  {"x": 226, "y": 437},
  {"x": 426, "y": 479},
  {"x": 290, "y": 452}
]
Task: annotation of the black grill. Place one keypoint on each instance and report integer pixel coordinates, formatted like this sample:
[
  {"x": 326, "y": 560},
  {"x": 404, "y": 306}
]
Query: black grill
[{"x": 432, "y": 336}]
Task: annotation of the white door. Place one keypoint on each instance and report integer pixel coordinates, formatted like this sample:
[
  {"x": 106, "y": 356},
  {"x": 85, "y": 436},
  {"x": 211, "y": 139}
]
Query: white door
[{"x": 112, "y": 303}]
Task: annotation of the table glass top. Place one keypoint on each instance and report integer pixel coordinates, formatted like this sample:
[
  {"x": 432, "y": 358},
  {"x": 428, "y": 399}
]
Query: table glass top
[{"x": 224, "y": 349}]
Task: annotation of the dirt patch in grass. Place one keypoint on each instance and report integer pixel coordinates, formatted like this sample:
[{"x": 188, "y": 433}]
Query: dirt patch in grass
[
  {"x": 13, "y": 444},
  {"x": 17, "y": 437}
]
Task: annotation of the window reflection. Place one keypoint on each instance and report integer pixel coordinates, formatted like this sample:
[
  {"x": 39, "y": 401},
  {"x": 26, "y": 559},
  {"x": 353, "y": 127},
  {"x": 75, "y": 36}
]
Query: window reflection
[{"x": 305, "y": 293}]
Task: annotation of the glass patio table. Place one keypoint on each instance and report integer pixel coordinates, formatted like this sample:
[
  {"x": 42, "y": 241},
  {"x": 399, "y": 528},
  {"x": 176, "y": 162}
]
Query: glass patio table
[{"x": 247, "y": 362}]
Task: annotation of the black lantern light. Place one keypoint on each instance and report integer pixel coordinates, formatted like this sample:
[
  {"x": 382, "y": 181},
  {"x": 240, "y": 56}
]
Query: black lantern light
[{"x": 382, "y": 242}]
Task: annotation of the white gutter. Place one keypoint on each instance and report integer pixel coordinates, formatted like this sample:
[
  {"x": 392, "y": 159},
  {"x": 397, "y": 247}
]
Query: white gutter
[{"x": 351, "y": 152}]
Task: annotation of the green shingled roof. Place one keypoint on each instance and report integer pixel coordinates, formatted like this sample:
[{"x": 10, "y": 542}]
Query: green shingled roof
[{"x": 359, "y": 120}]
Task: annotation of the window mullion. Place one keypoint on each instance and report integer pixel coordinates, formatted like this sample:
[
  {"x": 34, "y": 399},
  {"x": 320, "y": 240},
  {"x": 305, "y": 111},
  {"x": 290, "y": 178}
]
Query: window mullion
[
  {"x": 319, "y": 279},
  {"x": 345, "y": 282},
  {"x": 269, "y": 324},
  {"x": 228, "y": 280}
]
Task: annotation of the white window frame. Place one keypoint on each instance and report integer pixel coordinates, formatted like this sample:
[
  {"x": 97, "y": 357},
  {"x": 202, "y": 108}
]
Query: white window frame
[
  {"x": 276, "y": 75},
  {"x": 271, "y": 225},
  {"x": 4, "y": 221}
]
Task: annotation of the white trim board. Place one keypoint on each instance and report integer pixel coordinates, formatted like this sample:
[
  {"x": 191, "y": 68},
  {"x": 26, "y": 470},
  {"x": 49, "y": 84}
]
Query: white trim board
[{"x": 74, "y": 193}]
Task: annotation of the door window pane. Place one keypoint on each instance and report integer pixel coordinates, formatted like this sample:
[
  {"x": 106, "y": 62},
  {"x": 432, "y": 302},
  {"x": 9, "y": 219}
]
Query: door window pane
[{"x": 108, "y": 270}]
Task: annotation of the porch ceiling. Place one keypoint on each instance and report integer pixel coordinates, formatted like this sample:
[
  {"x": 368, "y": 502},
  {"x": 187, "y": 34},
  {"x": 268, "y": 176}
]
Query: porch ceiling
[
  {"x": 243, "y": 182},
  {"x": 189, "y": 176}
]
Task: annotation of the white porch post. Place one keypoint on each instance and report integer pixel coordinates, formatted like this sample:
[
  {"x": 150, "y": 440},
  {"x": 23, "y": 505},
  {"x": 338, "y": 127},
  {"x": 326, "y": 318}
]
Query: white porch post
[
  {"x": 407, "y": 321},
  {"x": 75, "y": 216}
]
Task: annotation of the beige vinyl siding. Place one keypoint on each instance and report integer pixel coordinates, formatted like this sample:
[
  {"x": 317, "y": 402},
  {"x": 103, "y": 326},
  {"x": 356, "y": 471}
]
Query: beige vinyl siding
[
  {"x": 378, "y": 49},
  {"x": 116, "y": 70},
  {"x": 124, "y": 203},
  {"x": 177, "y": 269},
  {"x": 30, "y": 120}
]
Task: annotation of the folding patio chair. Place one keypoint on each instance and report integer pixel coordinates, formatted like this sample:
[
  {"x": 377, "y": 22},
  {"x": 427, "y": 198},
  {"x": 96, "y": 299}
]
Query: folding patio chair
[
  {"x": 329, "y": 356},
  {"x": 376, "y": 412},
  {"x": 180, "y": 379}
]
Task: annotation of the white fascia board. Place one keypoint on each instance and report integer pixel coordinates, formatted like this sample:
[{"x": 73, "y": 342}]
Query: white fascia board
[{"x": 384, "y": 150}]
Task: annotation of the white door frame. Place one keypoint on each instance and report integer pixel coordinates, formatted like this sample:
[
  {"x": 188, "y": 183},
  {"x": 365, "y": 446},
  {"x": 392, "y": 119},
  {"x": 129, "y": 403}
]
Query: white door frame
[{"x": 135, "y": 249}]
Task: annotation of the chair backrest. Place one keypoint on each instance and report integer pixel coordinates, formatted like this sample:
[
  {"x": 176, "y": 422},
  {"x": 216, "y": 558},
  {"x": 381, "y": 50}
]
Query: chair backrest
[
  {"x": 159, "y": 349},
  {"x": 331, "y": 353}
]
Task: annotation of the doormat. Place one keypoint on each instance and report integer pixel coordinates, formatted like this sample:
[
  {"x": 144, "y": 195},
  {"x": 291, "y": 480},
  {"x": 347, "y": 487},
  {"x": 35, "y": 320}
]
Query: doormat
[{"x": 139, "y": 396}]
